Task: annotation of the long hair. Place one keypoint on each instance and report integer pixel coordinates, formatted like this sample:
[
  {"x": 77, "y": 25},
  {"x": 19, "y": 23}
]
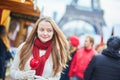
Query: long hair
[{"x": 60, "y": 50}]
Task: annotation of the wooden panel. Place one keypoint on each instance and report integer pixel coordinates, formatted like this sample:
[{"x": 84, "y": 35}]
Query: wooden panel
[
  {"x": 24, "y": 17},
  {"x": 19, "y": 7}
]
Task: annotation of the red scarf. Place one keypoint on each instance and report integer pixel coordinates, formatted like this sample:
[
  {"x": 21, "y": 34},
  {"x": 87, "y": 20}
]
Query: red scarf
[{"x": 42, "y": 59}]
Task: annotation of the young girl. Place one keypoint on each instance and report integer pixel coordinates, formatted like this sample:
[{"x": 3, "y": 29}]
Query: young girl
[{"x": 43, "y": 55}]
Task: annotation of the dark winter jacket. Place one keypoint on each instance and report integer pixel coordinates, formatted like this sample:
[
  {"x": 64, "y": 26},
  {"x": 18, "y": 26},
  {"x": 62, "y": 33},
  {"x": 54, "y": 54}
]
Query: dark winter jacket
[
  {"x": 104, "y": 67},
  {"x": 64, "y": 75},
  {"x": 4, "y": 55}
]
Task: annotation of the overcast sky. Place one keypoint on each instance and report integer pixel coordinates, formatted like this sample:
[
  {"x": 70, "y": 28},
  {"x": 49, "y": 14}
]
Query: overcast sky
[{"x": 111, "y": 9}]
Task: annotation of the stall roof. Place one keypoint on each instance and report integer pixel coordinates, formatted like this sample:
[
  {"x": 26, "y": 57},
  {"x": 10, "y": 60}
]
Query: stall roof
[{"x": 17, "y": 6}]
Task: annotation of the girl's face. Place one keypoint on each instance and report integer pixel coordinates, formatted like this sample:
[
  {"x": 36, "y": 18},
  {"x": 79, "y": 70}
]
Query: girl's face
[{"x": 45, "y": 31}]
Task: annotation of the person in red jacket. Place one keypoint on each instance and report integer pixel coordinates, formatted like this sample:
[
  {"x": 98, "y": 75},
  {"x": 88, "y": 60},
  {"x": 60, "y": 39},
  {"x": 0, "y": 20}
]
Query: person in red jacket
[{"x": 81, "y": 59}]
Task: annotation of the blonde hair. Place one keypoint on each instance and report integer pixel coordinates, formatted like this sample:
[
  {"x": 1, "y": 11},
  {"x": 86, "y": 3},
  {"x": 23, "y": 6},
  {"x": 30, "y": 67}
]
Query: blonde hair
[{"x": 60, "y": 48}]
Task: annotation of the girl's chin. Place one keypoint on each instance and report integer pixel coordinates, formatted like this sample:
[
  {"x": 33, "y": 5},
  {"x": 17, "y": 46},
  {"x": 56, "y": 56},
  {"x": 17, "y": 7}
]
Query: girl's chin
[{"x": 44, "y": 41}]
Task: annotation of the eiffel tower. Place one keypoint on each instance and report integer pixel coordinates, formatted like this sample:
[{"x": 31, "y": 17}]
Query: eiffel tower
[{"x": 92, "y": 15}]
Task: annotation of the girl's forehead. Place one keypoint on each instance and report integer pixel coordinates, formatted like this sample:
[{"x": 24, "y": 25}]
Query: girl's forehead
[{"x": 44, "y": 23}]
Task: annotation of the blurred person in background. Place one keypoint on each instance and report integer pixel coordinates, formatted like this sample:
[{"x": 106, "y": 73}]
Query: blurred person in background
[
  {"x": 43, "y": 55},
  {"x": 5, "y": 54},
  {"x": 74, "y": 43},
  {"x": 105, "y": 66},
  {"x": 99, "y": 47},
  {"x": 81, "y": 59}
]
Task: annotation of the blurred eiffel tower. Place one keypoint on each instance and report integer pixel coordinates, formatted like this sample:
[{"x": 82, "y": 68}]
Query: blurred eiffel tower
[{"x": 92, "y": 15}]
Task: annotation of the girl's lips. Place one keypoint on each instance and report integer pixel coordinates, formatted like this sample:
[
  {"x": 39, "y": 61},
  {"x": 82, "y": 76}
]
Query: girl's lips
[{"x": 44, "y": 37}]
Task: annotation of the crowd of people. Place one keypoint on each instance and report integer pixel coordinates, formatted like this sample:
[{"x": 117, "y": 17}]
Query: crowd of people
[{"x": 47, "y": 54}]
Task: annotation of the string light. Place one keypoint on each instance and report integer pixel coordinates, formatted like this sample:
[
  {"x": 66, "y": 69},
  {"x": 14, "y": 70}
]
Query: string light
[{"x": 22, "y": 1}]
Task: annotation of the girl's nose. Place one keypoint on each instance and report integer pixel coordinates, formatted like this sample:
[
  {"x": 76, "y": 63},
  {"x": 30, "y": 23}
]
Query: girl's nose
[{"x": 45, "y": 32}]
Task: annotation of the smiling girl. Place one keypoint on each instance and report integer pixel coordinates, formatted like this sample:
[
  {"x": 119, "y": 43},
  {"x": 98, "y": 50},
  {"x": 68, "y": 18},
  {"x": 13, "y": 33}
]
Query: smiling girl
[{"x": 43, "y": 55}]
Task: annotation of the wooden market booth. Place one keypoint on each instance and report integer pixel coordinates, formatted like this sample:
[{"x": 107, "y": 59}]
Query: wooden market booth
[{"x": 14, "y": 12}]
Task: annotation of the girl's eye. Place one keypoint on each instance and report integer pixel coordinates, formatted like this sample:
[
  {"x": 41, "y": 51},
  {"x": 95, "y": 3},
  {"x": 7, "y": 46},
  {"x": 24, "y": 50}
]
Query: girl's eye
[
  {"x": 41, "y": 29},
  {"x": 49, "y": 30}
]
